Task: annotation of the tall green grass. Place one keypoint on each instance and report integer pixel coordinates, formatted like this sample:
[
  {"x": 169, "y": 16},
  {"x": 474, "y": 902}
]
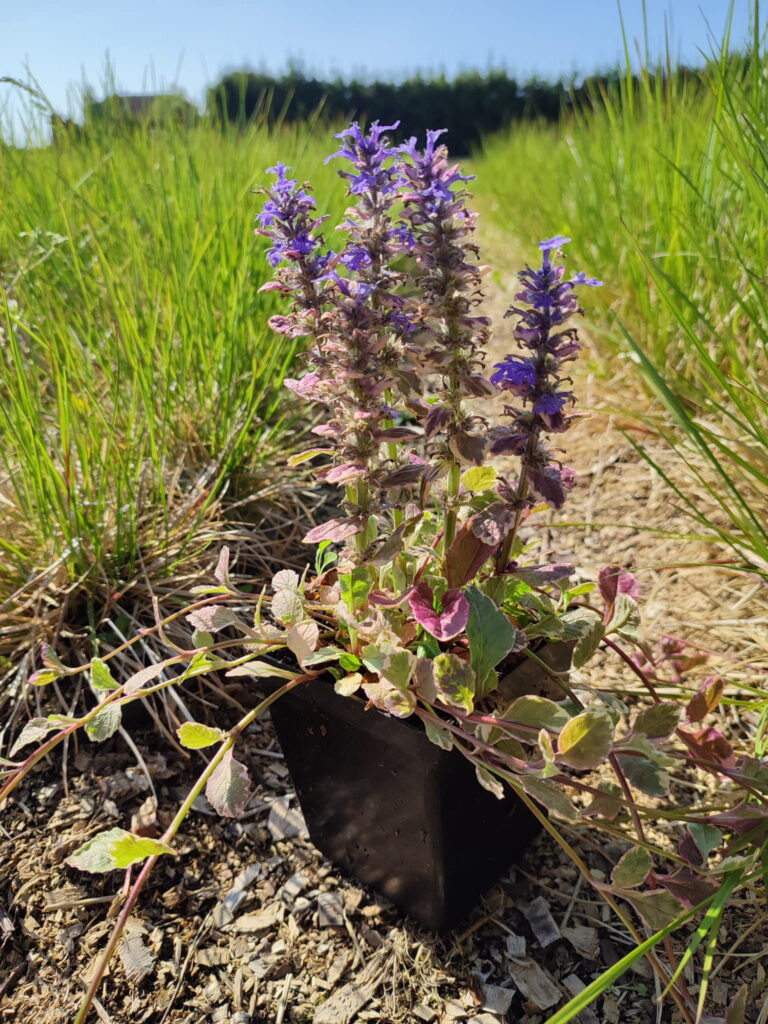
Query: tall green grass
[
  {"x": 137, "y": 371},
  {"x": 664, "y": 188}
]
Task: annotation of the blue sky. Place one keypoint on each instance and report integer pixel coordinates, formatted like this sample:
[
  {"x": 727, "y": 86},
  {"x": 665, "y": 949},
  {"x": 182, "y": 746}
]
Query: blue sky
[{"x": 188, "y": 43}]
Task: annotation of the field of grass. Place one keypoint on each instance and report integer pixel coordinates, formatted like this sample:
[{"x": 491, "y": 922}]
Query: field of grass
[
  {"x": 664, "y": 188},
  {"x": 138, "y": 376}
]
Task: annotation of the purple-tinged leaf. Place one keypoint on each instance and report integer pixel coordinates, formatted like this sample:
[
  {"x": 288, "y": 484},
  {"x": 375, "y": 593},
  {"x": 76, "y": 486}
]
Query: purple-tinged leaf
[
  {"x": 436, "y": 419},
  {"x": 449, "y": 621},
  {"x": 613, "y": 581},
  {"x": 465, "y": 557},
  {"x": 228, "y": 788},
  {"x": 542, "y": 575},
  {"x": 381, "y": 600},
  {"x": 397, "y": 434},
  {"x": 742, "y": 818},
  {"x": 405, "y": 476},
  {"x": 706, "y": 699},
  {"x": 469, "y": 449},
  {"x": 710, "y": 745},
  {"x": 688, "y": 886},
  {"x": 706, "y": 837},
  {"x": 334, "y": 530},
  {"x": 493, "y": 524}
]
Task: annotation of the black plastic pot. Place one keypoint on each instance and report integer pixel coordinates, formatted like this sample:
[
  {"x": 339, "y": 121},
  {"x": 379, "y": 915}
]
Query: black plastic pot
[{"x": 395, "y": 811}]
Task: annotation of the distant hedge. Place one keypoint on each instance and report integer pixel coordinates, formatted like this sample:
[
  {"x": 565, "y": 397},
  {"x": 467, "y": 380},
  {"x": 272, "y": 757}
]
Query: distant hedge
[{"x": 471, "y": 105}]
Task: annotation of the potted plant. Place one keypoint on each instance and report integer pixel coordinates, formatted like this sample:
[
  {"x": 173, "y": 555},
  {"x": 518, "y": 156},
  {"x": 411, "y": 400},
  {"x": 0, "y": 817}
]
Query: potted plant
[{"x": 425, "y": 610}]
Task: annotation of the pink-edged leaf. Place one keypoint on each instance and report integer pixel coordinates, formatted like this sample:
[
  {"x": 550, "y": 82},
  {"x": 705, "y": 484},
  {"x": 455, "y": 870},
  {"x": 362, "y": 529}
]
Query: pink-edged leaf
[
  {"x": 334, "y": 530},
  {"x": 382, "y": 600},
  {"x": 613, "y": 581},
  {"x": 211, "y": 618},
  {"x": 229, "y": 787},
  {"x": 449, "y": 621},
  {"x": 465, "y": 557},
  {"x": 305, "y": 386},
  {"x": 341, "y": 474},
  {"x": 302, "y": 640},
  {"x": 221, "y": 572},
  {"x": 389, "y": 698},
  {"x": 287, "y": 325},
  {"x": 145, "y": 675}
]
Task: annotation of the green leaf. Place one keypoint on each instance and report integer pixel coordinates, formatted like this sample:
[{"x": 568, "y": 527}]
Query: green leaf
[
  {"x": 551, "y": 796},
  {"x": 325, "y": 654},
  {"x": 195, "y": 736},
  {"x": 588, "y": 643},
  {"x": 625, "y": 619},
  {"x": 585, "y": 741},
  {"x": 355, "y": 587},
  {"x": 394, "y": 664},
  {"x": 455, "y": 681},
  {"x": 44, "y": 677},
  {"x": 706, "y": 837},
  {"x": 489, "y": 782},
  {"x": 438, "y": 735},
  {"x": 101, "y": 677},
  {"x": 657, "y": 908},
  {"x": 658, "y": 721},
  {"x": 350, "y": 662},
  {"x": 579, "y": 623},
  {"x": 132, "y": 849},
  {"x": 114, "y": 849},
  {"x": 550, "y": 627},
  {"x": 288, "y": 607},
  {"x": 348, "y": 685},
  {"x": 644, "y": 774},
  {"x": 228, "y": 788},
  {"x": 35, "y": 729},
  {"x": 537, "y": 712},
  {"x": 479, "y": 478},
  {"x": 105, "y": 723},
  {"x": 632, "y": 869},
  {"x": 491, "y": 635}
]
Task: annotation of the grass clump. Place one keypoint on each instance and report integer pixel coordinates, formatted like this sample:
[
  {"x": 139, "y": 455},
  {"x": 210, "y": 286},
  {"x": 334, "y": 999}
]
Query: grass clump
[
  {"x": 138, "y": 377},
  {"x": 665, "y": 181}
]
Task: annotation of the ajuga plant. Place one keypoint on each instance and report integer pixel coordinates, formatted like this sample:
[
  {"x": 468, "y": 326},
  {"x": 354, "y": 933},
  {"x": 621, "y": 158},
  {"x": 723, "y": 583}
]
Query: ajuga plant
[{"x": 425, "y": 588}]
